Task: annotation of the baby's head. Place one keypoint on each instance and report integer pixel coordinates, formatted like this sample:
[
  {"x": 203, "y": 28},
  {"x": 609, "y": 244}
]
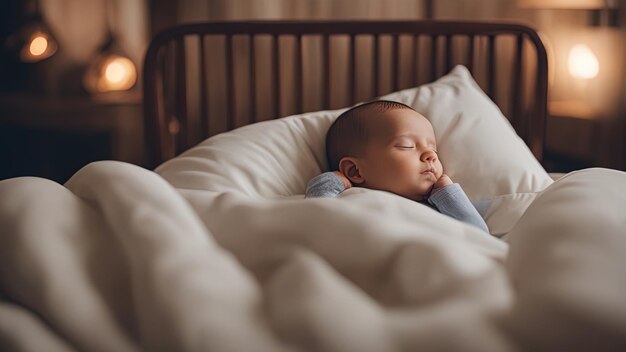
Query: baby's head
[{"x": 385, "y": 145}]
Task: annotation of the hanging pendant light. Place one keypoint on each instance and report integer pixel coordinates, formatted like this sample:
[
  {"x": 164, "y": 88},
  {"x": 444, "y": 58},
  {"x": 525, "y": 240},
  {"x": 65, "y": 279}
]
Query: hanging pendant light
[
  {"x": 33, "y": 41},
  {"x": 111, "y": 70}
]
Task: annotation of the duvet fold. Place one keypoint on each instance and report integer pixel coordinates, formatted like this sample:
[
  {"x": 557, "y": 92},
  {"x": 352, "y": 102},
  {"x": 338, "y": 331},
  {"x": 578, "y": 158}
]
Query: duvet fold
[{"x": 122, "y": 259}]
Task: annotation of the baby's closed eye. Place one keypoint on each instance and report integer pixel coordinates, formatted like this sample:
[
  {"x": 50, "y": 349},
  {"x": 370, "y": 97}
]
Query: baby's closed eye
[{"x": 408, "y": 146}]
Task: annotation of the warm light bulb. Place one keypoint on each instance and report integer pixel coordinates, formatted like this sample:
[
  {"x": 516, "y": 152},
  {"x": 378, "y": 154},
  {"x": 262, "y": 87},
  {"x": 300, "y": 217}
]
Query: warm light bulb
[
  {"x": 115, "y": 72},
  {"x": 38, "y": 45},
  {"x": 111, "y": 73},
  {"x": 582, "y": 63}
]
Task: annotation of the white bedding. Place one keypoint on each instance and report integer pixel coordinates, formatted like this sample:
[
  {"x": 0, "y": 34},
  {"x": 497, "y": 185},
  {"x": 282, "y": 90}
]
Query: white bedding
[{"x": 118, "y": 260}]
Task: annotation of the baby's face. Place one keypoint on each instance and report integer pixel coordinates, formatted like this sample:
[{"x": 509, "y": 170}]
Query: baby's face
[{"x": 401, "y": 157}]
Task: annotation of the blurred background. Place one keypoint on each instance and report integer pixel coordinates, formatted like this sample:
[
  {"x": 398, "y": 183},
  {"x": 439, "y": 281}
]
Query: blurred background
[{"x": 70, "y": 71}]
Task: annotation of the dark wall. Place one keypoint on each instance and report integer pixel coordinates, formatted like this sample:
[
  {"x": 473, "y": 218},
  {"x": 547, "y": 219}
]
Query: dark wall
[{"x": 12, "y": 13}]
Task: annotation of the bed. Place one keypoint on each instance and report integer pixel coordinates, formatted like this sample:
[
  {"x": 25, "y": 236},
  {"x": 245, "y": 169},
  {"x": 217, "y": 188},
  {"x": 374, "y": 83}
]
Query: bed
[
  {"x": 216, "y": 249},
  {"x": 274, "y": 69}
]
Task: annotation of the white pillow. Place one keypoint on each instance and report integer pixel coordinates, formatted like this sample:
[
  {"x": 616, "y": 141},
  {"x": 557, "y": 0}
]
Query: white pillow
[
  {"x": 273, "y": 158},
  {"x": 276, "y": 158}
]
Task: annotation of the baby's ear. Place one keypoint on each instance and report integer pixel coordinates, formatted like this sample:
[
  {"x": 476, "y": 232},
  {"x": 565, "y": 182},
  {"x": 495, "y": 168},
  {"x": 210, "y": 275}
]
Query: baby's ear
[{"x": 349, "y": 167}]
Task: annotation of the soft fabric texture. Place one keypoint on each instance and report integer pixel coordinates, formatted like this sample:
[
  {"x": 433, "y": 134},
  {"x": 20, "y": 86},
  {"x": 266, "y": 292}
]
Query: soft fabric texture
[
  {"x": 120, "y": 260},
  {"x": 502, "y": 212},
  {"x": 324, "y": 185},
  {"x": 451, "y": 200}
]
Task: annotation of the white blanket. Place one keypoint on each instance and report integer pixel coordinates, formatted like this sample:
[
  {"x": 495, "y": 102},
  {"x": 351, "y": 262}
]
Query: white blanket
[{"x": 119, "y": 260}]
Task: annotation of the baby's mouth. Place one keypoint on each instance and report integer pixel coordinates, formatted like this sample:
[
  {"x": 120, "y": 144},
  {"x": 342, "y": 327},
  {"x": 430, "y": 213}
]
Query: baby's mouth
[{"x": 429, "y": 170}]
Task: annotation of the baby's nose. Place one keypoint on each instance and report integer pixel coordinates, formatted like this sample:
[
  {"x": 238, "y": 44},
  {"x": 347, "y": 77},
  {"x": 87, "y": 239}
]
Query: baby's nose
[{"x": 429, "y": 156}]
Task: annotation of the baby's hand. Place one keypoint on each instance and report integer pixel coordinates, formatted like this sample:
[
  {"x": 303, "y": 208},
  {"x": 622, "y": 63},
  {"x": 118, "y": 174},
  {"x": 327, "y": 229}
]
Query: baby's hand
[
  {"x": 443, "y": 181},
  {"x": 346, "y": 183}
]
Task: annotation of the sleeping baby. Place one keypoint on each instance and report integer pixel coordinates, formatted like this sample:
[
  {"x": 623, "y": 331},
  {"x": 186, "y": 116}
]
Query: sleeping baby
[{"x": 388, "y": 146}]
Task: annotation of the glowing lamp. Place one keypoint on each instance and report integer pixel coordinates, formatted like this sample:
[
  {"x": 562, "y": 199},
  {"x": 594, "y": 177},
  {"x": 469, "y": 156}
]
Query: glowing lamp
[
  {"x": 39, "y": 46},
  {"x": 33, "y": 41},
  {"x": 582, "y": 62},
  {"x": 110, "y": 71}
]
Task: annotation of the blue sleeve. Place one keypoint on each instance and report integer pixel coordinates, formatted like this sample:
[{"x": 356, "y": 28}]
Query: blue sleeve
[
  {"x": 451, "y": 200},
  {"x": 326, "y": 185}
]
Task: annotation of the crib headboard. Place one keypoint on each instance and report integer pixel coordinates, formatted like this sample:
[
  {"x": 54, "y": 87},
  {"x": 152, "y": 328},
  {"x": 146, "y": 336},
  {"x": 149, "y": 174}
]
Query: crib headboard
[{"x": 202, "y": 79}]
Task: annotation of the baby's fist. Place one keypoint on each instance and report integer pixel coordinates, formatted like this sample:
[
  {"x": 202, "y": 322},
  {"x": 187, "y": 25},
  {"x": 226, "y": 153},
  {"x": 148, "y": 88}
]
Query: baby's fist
[
  {"x": 443, "y": 181},
  {"x": 346, "y": 182}
]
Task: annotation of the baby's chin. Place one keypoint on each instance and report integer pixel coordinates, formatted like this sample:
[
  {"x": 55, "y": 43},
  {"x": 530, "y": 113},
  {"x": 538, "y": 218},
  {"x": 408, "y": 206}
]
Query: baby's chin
[
  {"x": 422, "y": 196},
  {"x": 416, "y": 194},
  {"x": 419, "y": 197}
]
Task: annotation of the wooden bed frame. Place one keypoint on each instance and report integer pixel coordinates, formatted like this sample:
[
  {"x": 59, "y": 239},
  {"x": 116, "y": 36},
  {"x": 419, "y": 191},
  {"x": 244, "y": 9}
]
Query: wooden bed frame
[{"x": 206, "y": 78}]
